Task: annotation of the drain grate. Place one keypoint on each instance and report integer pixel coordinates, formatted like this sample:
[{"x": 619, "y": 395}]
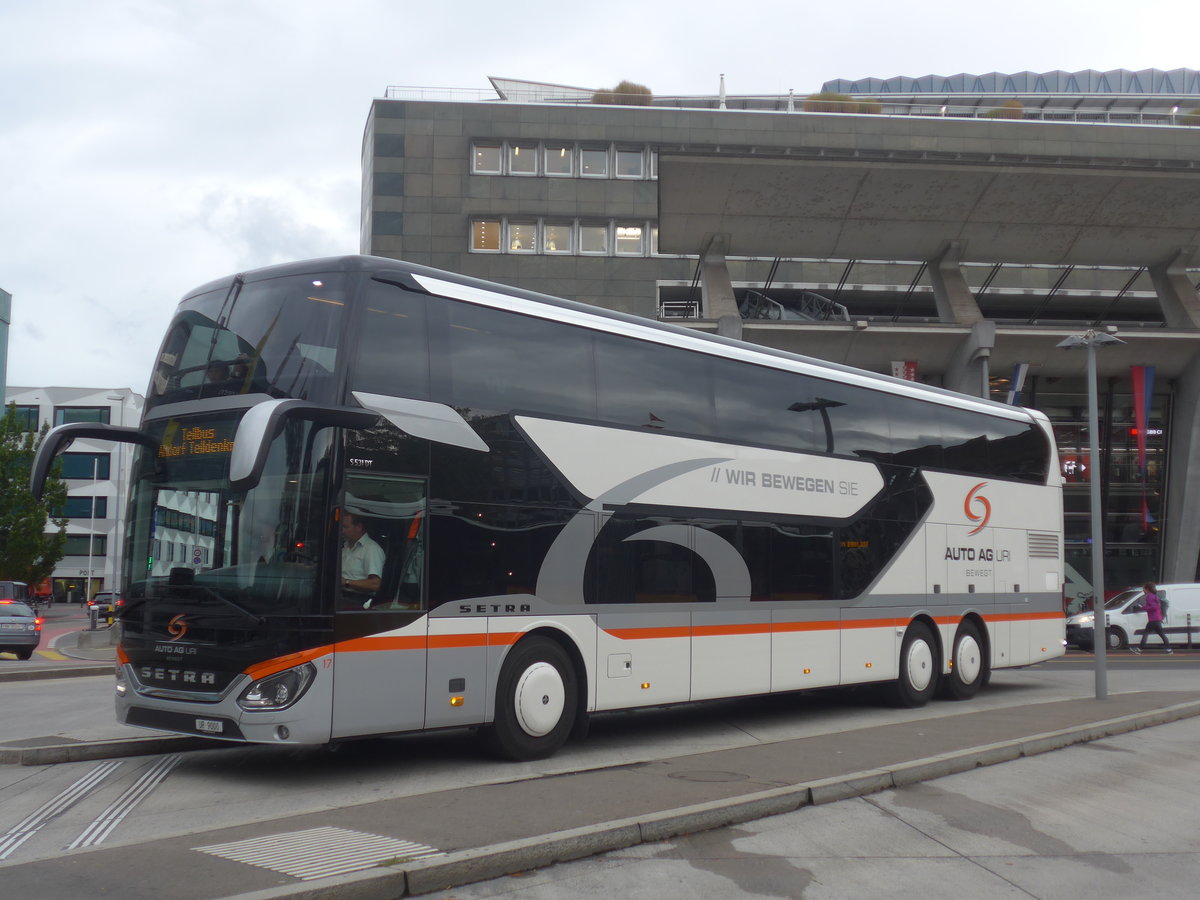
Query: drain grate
[{"x": 320, "y": 852}]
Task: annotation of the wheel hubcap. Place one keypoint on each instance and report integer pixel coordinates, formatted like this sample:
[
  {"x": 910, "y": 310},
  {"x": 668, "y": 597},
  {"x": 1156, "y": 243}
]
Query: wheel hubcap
[
  {"x": 540, "y": 699},
  {"x": 919, "y": 665},
  {"x": 968, "y": 660}
]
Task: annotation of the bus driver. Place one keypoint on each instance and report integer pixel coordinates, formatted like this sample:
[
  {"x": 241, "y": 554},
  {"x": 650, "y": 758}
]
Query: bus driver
[{"x": 362, "y": 563}]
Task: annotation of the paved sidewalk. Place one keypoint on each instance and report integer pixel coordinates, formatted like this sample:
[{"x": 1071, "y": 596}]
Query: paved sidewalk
[{"x": 483, "y": 831}]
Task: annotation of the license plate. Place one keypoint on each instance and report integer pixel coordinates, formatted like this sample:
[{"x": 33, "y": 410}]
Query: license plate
[
  {"x": 210, "y": 726},
  {"x": 12, "y": 626}
]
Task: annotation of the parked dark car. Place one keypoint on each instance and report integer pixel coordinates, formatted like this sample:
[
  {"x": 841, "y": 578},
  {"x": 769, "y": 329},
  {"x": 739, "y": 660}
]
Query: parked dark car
[
  {"x": 20, "y": 628},
  {"x": 106, "y": 603}
]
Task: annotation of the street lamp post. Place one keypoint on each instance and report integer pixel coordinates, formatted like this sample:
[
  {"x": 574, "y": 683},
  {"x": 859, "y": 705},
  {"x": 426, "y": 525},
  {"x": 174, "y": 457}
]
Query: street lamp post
[{"x": 1090, "y": 340}]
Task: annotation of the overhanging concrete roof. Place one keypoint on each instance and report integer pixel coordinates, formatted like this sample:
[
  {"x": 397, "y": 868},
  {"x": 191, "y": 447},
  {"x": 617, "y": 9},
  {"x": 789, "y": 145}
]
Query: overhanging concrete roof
[{"x": 872, "y": 209}]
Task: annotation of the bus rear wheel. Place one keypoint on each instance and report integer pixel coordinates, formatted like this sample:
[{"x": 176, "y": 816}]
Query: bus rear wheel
[
  {"x": 536, "y": 701},
  {"x": 919, "y": 667},
  {"x": 968, "y": 665}
]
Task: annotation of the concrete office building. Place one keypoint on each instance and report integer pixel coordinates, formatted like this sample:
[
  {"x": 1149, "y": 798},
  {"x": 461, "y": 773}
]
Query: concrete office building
[
  {"x": 920, "y": 228},
  {"x": 96, "y": 474}
]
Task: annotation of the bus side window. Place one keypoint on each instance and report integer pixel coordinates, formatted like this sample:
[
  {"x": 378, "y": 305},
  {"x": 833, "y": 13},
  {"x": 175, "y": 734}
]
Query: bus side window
[{"x": 394, "y": 509}]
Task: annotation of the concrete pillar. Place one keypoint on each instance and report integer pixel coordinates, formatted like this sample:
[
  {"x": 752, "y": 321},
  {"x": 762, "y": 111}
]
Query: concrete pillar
[
  {"x": 1178, "y": 298},
  {"x": 1181, "y": 543},
  {"x": 955, "y": 302},
  {"x": 730, "y": 327},
  {"x": 969, "y": 368},
  {"x": 716, "y": 287}
]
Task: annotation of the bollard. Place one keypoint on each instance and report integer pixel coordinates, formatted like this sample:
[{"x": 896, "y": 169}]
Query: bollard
[{"x": 93, "y": 617}]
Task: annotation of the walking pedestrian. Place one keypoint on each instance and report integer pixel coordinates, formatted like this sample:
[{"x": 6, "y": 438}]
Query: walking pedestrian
[{"x": 1154, "y": 618}]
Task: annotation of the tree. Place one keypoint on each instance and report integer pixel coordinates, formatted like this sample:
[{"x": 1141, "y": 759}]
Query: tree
[
  {"x": 833, "y": 102},
  {"x": 627, "y": 93},
  {"x": 28, "y": 550},
  {"x": 1009, "y": 109}
]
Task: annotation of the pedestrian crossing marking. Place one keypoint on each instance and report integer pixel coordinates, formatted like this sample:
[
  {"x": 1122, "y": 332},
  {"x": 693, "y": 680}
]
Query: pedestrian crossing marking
[{"x": 321, "y": 852}]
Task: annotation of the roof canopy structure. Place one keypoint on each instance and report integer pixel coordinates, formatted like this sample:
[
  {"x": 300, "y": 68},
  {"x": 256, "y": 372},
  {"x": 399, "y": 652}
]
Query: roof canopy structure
[{"x": 835, "y": 209}]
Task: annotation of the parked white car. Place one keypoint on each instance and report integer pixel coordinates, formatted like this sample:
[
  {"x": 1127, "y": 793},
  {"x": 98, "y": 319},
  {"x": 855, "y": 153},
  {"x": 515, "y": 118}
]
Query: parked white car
[{"x": 1126, "y": 617}]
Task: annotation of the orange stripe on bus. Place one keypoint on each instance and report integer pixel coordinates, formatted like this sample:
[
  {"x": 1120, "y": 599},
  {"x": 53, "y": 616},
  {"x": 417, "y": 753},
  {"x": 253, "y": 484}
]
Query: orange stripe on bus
[
  {"x": 1022, "y": 617},
  {"x": 641, "y": 634},
  {"x": 783, "y": 627},
  {"x": 711, "y": 630},
  {"x": 382, "y": 642},
  {"x": 875, "y": 623},
  {"x": 279, "y": 663}
]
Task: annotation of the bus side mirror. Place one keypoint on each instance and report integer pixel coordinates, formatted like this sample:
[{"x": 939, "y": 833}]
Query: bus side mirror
[
  {"x": 264, "y": 421},
  {"x": 61, "y": 437}
]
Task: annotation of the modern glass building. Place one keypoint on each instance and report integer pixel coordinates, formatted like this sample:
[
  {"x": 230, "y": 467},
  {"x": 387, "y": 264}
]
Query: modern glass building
[{"x": 951, "y": 229}]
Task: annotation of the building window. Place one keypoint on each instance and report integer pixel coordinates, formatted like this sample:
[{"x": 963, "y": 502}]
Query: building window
[
  {"x": 563, "y": 237},
  {"x": 77, "y": 545},
  {"x": 593, "y": 162},
  {"x": 522, "y": 237},
  {"x": 485, "y": 236},
  {"x": 85, "y": 465},
  {"x": 558, "y": 159},
  {"x": 85, "y": 508},
  {"x": 630, "y": 163},
  {"x": 522, "y": 159},
  {"x": 593, "y": 239},
  {"x": 562, "y": 159},
  {"x": 28, "y": 418},
  {"x": 629, "y": 240},
  {"x": 558, "y": 237},
  {"x": 486, "y": 159},
  {"x": 67, "y": 414}
]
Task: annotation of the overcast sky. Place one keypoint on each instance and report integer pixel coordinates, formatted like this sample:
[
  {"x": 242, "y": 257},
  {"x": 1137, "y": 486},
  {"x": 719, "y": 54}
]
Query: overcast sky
[{"x": 148, "y": 146}]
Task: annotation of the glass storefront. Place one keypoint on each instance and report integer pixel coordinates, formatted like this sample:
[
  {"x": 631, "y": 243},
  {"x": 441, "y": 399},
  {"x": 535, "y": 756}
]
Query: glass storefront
[{"x": 1132, "y": 469}]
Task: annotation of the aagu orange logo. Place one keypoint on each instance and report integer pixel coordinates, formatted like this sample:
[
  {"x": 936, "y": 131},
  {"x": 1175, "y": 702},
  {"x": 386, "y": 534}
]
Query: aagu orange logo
[
  {"x": 977, "y": 507},
  {"x": 177, "y": 627}
]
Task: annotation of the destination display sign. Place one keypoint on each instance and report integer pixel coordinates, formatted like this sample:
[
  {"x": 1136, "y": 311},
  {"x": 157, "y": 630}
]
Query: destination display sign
[{"x": 196, "y": 440}]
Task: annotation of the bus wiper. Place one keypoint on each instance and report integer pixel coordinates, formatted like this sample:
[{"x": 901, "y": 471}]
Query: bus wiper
[{"x": 254, "y": 617}]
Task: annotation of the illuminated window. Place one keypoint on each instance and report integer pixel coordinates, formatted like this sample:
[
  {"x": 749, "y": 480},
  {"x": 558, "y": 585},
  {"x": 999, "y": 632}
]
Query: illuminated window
[
  {"x": 559, "y": 159},
  {"x": 559, "y": 237},
  {"x": 522, "y": 237},
  {"x": 629, "y": 240},
  {"x": 485, "y": 235},
  {"x": 486, "y": 159},
  {"x": 522, "y": 159}
]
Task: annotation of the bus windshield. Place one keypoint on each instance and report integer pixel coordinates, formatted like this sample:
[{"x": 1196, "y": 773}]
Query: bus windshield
[
  {"x": 276, "y": 336},
  {"x": 192, "y": 538}
]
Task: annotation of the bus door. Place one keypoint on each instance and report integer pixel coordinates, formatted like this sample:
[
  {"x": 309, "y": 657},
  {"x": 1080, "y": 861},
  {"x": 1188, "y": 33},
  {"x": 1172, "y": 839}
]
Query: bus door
[{"x": 380, "y": 630}]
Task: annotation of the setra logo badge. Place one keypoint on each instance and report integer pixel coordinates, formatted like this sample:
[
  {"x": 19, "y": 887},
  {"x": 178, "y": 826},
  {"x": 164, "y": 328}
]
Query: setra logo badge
[
  {"x": 977, "y": 507},
  {"x": 177, "y": 627}
]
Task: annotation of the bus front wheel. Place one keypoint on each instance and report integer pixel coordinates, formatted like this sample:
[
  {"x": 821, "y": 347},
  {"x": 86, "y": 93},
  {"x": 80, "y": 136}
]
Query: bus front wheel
[
  {"x": 919, "y": 666},
  {"x": 536, "y": 701},
  {"x": 968, "y": 667}
]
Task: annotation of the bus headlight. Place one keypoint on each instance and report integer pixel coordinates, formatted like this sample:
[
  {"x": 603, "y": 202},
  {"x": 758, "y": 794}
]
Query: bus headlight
[
  {"x": 278, "y": 691},
  {"x": 122, "y": 682}
]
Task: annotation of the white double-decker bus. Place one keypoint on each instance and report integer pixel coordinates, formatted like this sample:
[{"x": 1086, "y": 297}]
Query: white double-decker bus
[{"x": 578, "y": 511}]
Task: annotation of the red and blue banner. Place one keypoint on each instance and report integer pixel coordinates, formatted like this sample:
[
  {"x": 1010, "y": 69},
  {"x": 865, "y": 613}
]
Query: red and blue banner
[{"x": 1143, "y": 392}]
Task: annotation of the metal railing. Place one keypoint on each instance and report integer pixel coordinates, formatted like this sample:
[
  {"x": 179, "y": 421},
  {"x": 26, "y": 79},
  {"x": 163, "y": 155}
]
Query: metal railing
[
  {"x": 809, "y": 306},
  {"x": 977, "y": 108},
  {"x": 678, "y": 309}
]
